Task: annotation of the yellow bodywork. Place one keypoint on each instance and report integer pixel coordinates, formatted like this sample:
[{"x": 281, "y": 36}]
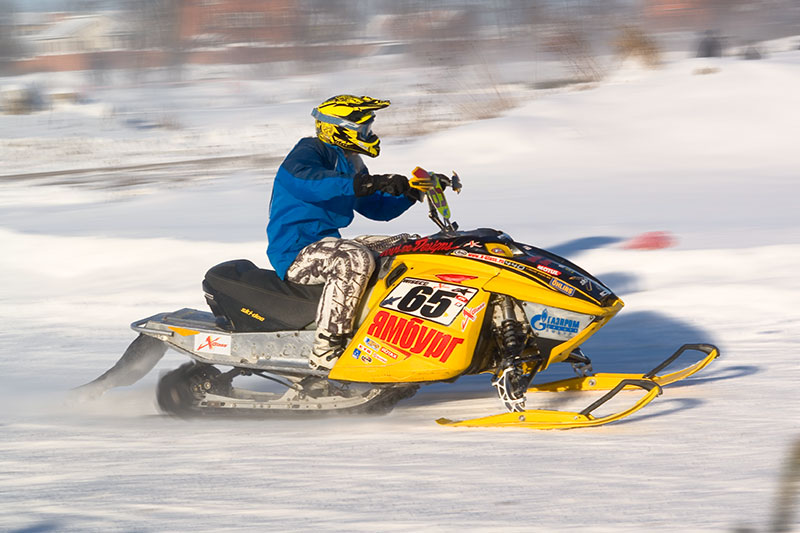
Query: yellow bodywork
[
  {"x": 403, "y": 348},
  {"x": 395, "y": 343}
]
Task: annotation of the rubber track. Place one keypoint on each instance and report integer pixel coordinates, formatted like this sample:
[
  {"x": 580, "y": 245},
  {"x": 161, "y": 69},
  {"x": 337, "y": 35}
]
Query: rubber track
[{"x": 178, "y": 380}]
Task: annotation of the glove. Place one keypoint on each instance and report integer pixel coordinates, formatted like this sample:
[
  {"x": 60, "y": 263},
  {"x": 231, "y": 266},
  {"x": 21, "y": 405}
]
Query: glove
[
  {"x": 415, "y": 195},
  {"x": 394, "y": 184}
]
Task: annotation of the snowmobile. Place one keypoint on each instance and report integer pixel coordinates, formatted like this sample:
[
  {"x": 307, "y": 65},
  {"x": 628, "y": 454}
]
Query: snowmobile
[{"x": 439, "y": 307}]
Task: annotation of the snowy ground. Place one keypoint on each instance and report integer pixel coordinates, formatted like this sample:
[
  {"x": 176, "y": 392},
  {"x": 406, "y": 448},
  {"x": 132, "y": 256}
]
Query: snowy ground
[{"x": 711, "y": 158}]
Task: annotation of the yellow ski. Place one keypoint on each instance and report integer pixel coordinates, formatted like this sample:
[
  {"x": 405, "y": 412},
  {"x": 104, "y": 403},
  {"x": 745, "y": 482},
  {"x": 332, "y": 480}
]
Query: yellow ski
[
  {"x": 546, "y": 419},
  {"x": 607, "y": 381}
]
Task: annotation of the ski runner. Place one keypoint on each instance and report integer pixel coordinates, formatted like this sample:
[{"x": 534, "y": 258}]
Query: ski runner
[{"x": 319, "y": 186}]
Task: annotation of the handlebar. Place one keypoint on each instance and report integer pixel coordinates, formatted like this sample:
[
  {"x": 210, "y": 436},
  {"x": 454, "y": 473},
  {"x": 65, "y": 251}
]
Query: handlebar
[{"x": 433, "y": 185}]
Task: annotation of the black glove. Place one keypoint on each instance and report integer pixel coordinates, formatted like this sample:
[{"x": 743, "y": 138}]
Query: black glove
[
  {"x": 415, "y": 195},
  {"x": 394, "y": 184}
]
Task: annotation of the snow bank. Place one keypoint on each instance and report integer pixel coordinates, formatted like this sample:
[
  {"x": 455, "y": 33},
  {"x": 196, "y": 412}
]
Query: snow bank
[{"x": 706, "y": 157}]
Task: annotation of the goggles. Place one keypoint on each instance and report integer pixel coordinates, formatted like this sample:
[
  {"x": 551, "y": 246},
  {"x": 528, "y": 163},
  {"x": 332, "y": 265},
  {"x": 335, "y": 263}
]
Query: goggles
[{"x": 363, "y": 130}]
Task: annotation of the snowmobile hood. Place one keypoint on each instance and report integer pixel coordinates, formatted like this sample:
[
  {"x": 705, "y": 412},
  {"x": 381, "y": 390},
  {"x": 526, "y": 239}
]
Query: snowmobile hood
[{"x": 499, "y": 249}]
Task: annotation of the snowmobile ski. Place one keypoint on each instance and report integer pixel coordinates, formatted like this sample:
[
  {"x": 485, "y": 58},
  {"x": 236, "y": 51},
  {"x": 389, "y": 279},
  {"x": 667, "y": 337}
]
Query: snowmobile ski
[
  {"x": 550, "y": 419},
  {"x": 608, "y": 380}
]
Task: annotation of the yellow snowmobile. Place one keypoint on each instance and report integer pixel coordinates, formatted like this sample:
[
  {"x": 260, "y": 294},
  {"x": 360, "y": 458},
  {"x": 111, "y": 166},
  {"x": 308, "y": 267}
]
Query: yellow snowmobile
[{"x": 438, "y": 307}]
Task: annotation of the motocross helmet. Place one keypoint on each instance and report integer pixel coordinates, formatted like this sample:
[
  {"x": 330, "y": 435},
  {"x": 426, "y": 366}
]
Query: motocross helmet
[{"x": 346, "y": 121}]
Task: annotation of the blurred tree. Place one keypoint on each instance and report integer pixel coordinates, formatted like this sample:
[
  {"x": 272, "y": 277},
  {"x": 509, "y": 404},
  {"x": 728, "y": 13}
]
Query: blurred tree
[
  {"x": 633, "y": 43},
  {"x": 333, "y": 21},
  {"x": 156, "y": 24}
]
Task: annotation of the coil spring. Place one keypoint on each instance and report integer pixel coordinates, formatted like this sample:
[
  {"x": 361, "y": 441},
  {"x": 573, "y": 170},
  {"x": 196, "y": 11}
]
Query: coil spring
[{"x": 513, "y": 336}]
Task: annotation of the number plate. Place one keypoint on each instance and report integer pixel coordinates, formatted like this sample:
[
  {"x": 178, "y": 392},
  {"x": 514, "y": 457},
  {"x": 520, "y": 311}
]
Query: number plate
[{"x": 431, "y": 300}]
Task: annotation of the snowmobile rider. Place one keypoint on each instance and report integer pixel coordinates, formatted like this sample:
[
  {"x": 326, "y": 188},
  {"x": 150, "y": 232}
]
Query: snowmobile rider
[{"x": 317, "y": 189}]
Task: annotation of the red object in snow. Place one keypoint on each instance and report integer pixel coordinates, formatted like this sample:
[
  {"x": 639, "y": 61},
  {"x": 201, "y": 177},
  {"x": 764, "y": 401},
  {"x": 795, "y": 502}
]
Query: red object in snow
[{"x": 651, "y": 240}]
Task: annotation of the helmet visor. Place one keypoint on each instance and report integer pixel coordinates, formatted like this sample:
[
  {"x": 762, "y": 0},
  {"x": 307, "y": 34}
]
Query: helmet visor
[{"x": 363, "y": 130}]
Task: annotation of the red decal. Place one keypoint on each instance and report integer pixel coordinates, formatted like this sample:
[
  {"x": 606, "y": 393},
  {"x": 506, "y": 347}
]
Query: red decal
[
  {"x": 412, "y": 336},
  {"x": 420, "y": 245},
  {"x": 211, "y": 344},
  {"x": 389, "y": 353},
  {"x": 470, "y": 314},
  {"x": 377, "y": 324},
  {"x": 548, "y": 270},
  {"x": 455, "y": 278}
]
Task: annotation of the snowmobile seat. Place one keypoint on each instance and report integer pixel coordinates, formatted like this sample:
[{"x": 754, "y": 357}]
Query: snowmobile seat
[{"x": 244, "y": 297}]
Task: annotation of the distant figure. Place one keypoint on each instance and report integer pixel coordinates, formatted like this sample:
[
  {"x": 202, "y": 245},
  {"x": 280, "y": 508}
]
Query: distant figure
[
  {"x": 709, "y": 46},
  {"x": 97, "y": 66},
  {"x": 752, "y": 52}
]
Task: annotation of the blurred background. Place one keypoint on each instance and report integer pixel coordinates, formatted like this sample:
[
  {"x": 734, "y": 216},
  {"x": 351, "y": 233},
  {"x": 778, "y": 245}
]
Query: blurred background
[
  {"x": 138, "y": 140},
  {"x": 160, "y": 40},
  {"x": 232, "y": 78}
]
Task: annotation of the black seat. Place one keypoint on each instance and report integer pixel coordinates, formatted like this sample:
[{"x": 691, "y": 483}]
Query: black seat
[{"x": 255, "y": 299}]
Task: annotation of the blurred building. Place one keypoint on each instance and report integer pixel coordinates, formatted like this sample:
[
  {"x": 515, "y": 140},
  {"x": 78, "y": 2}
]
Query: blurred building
[
  {"x": 154, "y": 33},
  {"x": 70, "y": 35},
  {"x": 237, "y": 21}
]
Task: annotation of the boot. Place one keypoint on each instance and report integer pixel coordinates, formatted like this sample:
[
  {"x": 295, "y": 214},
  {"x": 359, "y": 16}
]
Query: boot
[{"x": 326, "y": 350}]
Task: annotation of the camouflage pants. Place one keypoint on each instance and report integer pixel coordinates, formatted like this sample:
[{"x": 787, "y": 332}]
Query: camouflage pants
[{"x": 344, "y": 266}]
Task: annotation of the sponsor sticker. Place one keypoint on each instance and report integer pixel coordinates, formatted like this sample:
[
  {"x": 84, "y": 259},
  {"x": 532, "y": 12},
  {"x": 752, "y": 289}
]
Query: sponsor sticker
[
  {"x": 549, "y": 270},
  {"x": 356, "y": 353},
  {"x": 470, "y": 314},
  {"x": 215, "y": 344},
  {"x": 371, "y": 343},
  {"x": 560, "y": 286},
  {"x": 554, "y": 323},
  {"x": 388, "y": 352},
  {"x": 364, "y": 349},
  {"x": 488, "y": 259},
  {"x": 424, "y": 245},
  {"x": 430, "y": 300}
]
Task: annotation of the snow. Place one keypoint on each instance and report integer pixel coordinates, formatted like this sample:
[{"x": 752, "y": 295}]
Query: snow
[{"x": 710, "y": 158}]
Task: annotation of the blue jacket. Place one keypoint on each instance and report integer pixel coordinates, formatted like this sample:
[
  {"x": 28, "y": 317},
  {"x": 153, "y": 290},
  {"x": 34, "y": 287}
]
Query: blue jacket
[{"x": 313, "y": 198}]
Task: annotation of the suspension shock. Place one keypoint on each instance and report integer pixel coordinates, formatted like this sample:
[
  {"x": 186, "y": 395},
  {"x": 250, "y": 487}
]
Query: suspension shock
[
  {"x": 511, "y": 380},
  {"x": 511, "y": 330}
]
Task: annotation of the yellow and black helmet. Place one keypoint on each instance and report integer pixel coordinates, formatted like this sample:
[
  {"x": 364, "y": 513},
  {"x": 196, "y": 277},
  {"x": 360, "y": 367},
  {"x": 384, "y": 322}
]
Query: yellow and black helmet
[{"x": 346, "y": 121}]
